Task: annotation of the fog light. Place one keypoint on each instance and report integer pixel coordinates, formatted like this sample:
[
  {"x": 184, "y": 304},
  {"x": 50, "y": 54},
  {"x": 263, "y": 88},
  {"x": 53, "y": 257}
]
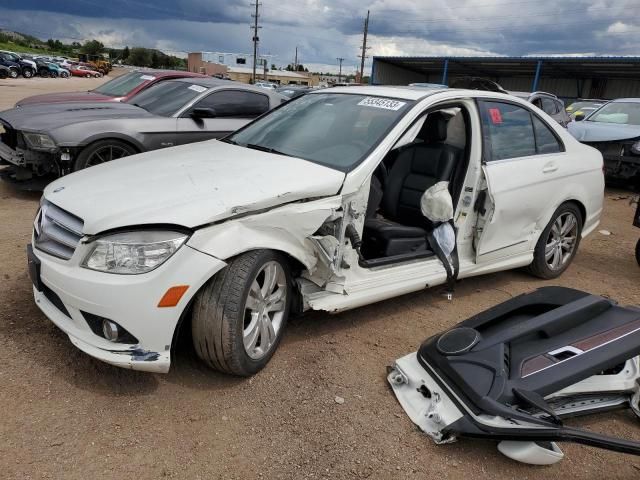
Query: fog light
[{"x": 110, "y": 330}]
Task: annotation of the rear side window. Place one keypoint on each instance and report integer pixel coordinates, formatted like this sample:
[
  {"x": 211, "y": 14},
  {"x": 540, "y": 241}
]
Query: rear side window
[
  {"x": 546, "y": 140},
  {"x": 236, "y": 103},
  {"x": 511, "y": 131}
]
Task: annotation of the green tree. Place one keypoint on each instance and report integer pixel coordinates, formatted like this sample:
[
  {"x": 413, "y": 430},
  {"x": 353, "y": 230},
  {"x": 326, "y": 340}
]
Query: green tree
[
  {"x": 125, "y": 53},
  {"x": 93, "y": 47},
  {"x": 140, "y": 57}
]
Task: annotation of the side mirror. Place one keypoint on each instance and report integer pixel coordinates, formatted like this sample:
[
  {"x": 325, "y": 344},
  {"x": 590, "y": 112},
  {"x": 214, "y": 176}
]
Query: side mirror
[
  {"x": 207, "y": 112},
  {"x": 579, "y": 117}
]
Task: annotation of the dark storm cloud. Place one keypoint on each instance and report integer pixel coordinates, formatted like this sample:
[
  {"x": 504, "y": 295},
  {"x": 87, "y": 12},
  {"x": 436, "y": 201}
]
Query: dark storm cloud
[{"x": 324, "y": 30}]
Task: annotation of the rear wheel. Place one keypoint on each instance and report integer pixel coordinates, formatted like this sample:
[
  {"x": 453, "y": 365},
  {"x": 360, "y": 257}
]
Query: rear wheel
[
  {"x": 101, "y": 152},
  {"x": 44, "y": 73},
  {"x": 27, "y": 72},
  {"x": 64, "y": 75},
  {"x": 558, "y": 243},
  {"x": 240, "y": 315}
]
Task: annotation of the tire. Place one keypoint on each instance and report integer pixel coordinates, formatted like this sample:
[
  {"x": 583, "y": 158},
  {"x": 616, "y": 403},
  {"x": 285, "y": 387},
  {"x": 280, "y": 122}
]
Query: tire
[
  {"x": 638, "y": 252},
  {"x": 102, "y": 151},
  {"x": 13, "y": 72},
  {"x": 64, "y": 75},
  {"x": 88, "y": 75},
  {"x": 27, "y": 72},
  {"x": 3, "y": 74},
  {"x": 228, "y": 333},
  {"x": 44, "y": 73},
  {"x": 53, "y": 74},
  {"x": 555, "y": 241}
]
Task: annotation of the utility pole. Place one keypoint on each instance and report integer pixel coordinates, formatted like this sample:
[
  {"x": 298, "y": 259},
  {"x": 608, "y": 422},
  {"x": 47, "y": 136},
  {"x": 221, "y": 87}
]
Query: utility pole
[
  {"x": 364, "y": 47},
  {"x": 340, "y": 60},
  {"x": 256, "y": 39},
  {"x": 295, "y": 61}
]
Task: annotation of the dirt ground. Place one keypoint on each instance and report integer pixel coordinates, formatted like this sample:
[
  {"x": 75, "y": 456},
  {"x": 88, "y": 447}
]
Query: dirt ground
[{"x": 65, "y": 415}]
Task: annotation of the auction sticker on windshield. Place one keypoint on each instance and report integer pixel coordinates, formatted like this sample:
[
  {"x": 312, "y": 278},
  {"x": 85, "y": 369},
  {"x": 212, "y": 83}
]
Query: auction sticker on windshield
[
  {"x": 197, "y": 88},
  {"x": 385, "y": 103},
  {"x": 147, "y": 77}
]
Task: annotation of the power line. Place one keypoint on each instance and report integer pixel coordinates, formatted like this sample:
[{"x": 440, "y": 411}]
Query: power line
[
  {"x": 364, "y": 47},
  {"x": 256, "y": 39},
  {"x": 340, "y": 60}
]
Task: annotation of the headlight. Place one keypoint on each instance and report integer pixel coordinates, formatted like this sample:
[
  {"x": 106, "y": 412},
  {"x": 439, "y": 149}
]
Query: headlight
[
  {"x": 635, "y": 148},
  {"x": 133, "y": 253},
  {"x": 39, "y": 140}
]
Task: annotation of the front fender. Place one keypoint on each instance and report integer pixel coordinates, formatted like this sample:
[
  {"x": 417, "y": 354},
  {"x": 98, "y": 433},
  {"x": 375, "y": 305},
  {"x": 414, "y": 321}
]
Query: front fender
[
  {"x": 102, "y": 136},
  {"x": 286, "y": 228}
]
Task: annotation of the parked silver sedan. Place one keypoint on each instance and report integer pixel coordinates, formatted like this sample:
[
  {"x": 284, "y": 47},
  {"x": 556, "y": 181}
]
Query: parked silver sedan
[{"x": 44, "y": 141}]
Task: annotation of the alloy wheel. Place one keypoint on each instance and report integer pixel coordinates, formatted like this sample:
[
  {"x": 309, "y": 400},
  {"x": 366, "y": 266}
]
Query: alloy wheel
[
  {"x": 562, "y": 241},
  {"x": 264, "y": 310},
  {"x": 106, "y": 154},
  {"x": 13, "y": 73}
]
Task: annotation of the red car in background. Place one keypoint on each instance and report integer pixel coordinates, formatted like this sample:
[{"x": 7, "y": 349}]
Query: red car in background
[
  {"x": 120, "y": 89},
  {"x": 82, "y": 71}
]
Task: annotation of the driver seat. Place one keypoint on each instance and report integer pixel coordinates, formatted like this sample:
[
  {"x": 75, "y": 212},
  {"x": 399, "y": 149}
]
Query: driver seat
[{"x": 418, "y": 166}]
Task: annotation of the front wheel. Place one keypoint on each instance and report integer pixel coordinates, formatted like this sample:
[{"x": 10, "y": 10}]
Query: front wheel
[
  {"x": 240, "y": 314},
  {"x": 101, "y": 152},
  {"x": 13, "y": 73},
  {"x": 54, "y": 74},
  {"x": 64, "y": 75},
  {"x": 558, "y": 243}
]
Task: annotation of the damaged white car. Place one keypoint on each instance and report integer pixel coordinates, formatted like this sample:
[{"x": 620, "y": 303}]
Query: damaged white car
[{"x": 319, "y": 204}]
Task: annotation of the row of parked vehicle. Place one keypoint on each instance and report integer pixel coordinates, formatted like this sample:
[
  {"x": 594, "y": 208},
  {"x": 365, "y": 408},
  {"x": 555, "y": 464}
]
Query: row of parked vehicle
[{"x": 13, "y": 65}]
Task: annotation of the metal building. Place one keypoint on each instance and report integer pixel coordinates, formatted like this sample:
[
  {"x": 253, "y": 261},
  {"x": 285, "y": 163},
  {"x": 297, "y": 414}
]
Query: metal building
[{"x": 567, "y": 77}]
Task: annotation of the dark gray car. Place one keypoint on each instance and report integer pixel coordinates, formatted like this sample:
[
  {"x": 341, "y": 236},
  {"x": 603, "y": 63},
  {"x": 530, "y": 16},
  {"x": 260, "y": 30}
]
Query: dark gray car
[{"x": 56, "y": 139}]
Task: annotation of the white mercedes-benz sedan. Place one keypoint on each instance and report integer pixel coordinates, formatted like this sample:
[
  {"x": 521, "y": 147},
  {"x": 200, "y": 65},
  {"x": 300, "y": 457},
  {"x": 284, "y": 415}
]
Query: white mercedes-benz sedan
[{"x": 337, "y": 199}]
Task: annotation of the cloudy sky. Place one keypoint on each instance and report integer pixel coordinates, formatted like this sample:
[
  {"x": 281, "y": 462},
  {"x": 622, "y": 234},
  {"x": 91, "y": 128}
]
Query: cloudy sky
[{"x": 326, "y": 29}]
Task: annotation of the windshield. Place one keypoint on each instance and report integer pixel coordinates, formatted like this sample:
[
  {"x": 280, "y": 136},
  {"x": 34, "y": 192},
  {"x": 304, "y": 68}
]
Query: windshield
[
  {"x": 617, "y": 112},
  {"x": 166, "y": 98},
  {"x": 121, "y": 86},
  {"x": 336, "y": 130}
]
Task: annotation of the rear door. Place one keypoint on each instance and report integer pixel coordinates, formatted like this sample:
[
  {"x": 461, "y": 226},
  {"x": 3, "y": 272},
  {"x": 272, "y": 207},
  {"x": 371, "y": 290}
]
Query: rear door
[
  {"x": 523, "y": 160},
  {"x": 233, "y": 108}
]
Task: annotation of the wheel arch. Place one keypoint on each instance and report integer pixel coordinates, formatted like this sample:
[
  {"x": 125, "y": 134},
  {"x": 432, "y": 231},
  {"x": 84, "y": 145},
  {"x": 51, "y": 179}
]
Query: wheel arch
[
  {"x": 112, "y": 136},
  {"x": 184, "y": 321}
]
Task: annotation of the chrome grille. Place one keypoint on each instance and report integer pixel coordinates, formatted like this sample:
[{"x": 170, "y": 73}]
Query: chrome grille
[{"x": 56, "y": 231}]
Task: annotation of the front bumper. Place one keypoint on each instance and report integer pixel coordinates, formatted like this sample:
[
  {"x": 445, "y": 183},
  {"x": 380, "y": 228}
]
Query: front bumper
[{"x": 129, "y": 300}]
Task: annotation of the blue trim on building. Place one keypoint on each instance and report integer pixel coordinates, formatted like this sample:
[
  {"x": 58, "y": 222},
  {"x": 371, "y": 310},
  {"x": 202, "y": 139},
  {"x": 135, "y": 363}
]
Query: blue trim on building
[
  {"x": 536, "y": 79},
  {"x": 445, "y": 72}
]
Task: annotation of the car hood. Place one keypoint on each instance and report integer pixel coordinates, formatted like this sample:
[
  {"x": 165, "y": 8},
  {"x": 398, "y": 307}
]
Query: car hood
[
  {"x": 46, "y": 117},
  {"x": 602, "y": 132},
  {"x": 65, "y": 97},
  {"x": 190, "y": 185}
]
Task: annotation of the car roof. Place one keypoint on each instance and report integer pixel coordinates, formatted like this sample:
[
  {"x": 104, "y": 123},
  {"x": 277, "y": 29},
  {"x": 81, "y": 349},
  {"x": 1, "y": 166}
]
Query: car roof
[
  {"x": 394, "y": 91},
  {"x": 210, "y": 82},
  {"x": 169, "y": 73},
  {"x": 626, "y": 100}
]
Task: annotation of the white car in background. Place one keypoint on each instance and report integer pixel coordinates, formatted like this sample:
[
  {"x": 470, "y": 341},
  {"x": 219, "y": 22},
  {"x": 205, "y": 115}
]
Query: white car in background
[{"x": 317, "y": 205}]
